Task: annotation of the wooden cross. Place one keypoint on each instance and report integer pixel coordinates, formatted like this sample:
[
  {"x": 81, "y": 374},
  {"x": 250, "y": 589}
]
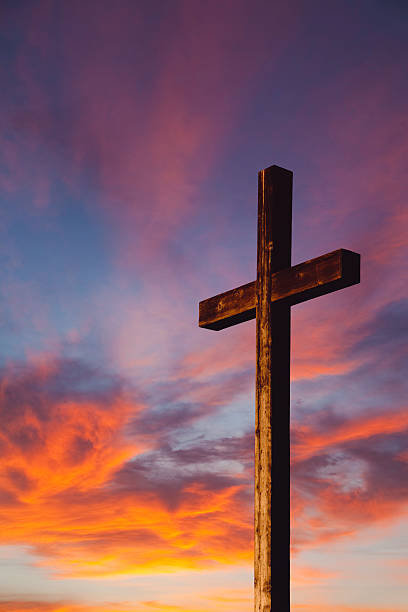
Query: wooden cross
[{"x": 269, "y": 298}]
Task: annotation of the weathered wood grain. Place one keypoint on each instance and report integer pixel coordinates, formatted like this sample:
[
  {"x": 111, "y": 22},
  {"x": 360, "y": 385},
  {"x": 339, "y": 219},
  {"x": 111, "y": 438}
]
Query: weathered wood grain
[
  {"x": 272, "y": 527},
  {"x": 229, "y": 308},
  {"x": 310, "y": 279}
]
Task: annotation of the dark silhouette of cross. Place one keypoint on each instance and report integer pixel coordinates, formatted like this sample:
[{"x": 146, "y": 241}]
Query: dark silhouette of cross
[{"x": 278, "y": 286}]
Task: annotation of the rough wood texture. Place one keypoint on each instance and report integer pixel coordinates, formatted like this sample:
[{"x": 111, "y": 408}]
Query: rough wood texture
[
  {"x": 307, "y": 280},
  {"x": 229, "y": 308},
  {"x": 272, "y": 527}
]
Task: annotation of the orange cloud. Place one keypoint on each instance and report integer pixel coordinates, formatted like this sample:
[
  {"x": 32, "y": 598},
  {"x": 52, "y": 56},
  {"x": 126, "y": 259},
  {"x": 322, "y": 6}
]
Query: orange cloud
[
  {"x": 339, "y": 464},
  {"x": 71, "y": 486},
  {"x": 61, "y": 451},
  {"x": 311, "y": 442},
  {"x": 336, "y": 608},
  {"x": 308, "y": 576},
  {"x": 49, "y": 446},
  {"x": 135, "y": 533},
  {"x": 235, "y": 596},
  {"x": 45, "y": 606}
]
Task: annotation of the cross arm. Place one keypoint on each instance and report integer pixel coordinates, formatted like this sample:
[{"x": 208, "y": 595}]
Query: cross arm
[{"x": 324, "y": 274}]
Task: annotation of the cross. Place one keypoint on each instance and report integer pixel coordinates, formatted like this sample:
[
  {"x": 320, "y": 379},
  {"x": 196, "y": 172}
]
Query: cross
[{"x": 268, "y": 299}]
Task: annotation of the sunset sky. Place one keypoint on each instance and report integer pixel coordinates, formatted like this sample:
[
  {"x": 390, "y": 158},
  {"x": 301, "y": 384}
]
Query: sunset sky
[{"x": 131, "y": 135}]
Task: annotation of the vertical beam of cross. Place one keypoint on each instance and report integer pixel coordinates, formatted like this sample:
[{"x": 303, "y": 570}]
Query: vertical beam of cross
[{"x": 272, "y": 505}]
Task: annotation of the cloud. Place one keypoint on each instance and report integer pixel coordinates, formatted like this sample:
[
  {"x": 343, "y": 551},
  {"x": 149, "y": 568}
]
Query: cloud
[
  {"x": 100, "y": 484},
  {"x": 352, "y": 464},
  {"x": 78, "y": 487},
  {"x": 213, "y": 465},
  {"x": 385, "y": 331},
  {"x": 142, "y": 131},
  {"x": 327, "y": 607},
  {"x": 306, "y": 575},
  {"x": 46, "y": 606},
  {"x": 68, "y": 606},
  {"x": 59, "y": 430}
]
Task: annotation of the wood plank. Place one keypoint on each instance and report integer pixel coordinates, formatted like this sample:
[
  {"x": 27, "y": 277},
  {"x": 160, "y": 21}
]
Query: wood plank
[
  {"x": 229, "y": 308},
  {"x": 272, "y": 505},
  {"x": 319, "y": 276}
]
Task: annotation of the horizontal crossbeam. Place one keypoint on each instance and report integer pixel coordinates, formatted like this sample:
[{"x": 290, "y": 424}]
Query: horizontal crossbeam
[{"x": 307, "y": 280}]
